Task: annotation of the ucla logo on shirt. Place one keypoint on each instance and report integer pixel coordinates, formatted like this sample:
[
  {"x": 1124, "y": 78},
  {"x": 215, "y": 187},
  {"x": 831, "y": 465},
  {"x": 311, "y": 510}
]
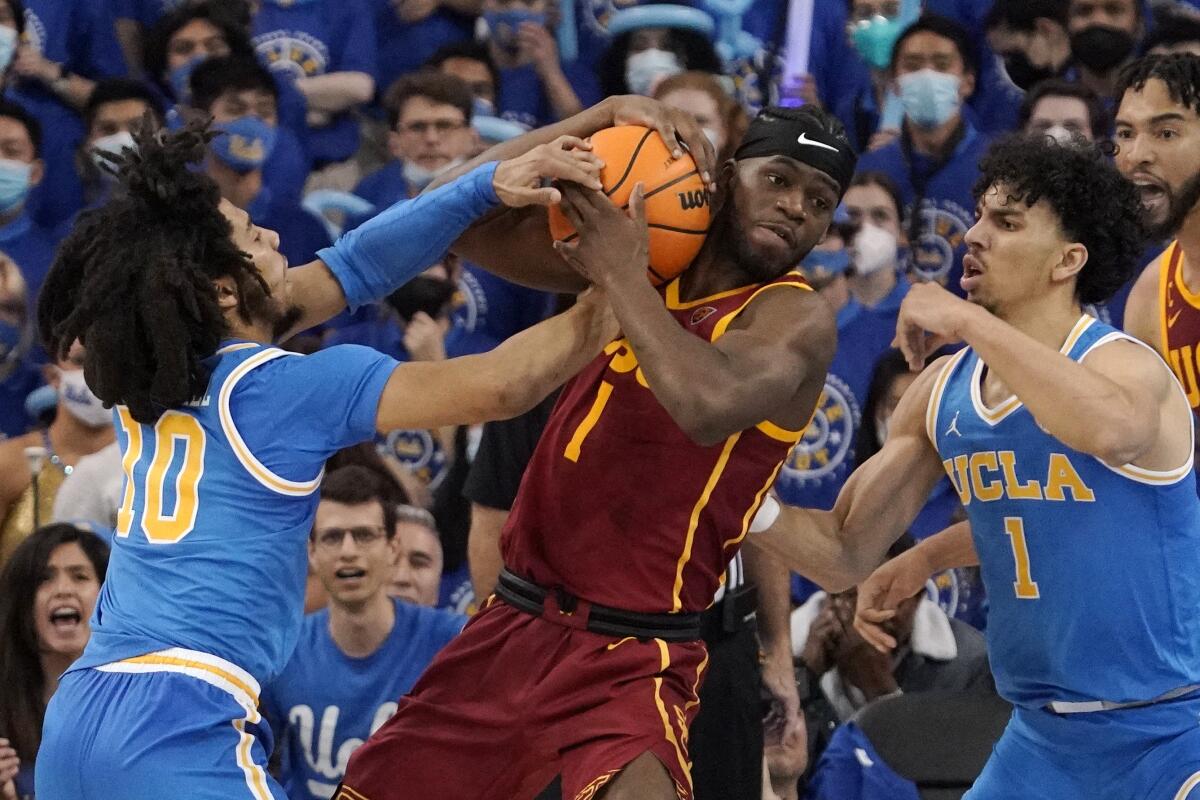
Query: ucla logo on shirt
[
  {"x": 944, "y": 224},
  {"x": 418, "y": 451},
  {"x": 825, "y": 447},
  {"x": 35, "y": 32},
  {"x": 318, "y": 743},
  {"x": 294, "y": 53}
]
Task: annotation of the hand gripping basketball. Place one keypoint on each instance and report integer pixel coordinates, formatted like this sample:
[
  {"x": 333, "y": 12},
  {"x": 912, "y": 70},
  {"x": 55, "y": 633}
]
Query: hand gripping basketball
[{"x": 519, "y": 181}]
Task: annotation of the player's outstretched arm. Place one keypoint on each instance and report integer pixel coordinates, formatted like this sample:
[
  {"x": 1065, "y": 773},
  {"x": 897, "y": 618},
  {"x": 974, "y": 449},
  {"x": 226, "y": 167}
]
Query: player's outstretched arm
[
  {"x": 900, "y": 578},
  {"x": 515, "y": 244},
  {"x": 373, "y": 260},
  {"x": 1119, "y": 405},
  {"x": 837, "y": 549},
  {"x": 503, "y": 382}
]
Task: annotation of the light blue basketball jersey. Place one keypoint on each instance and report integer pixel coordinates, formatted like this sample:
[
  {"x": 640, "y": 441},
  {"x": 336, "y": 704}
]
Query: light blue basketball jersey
[
  {"x": 219, "y": 499},
  {"x": 1092, "y": 572}
]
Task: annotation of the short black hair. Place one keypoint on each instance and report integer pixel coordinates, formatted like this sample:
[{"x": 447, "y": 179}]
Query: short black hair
[
  {"x": 1095, "y": 205},
  {"x": 225, "y": 16},
  {"x": 1098, "y": 118},
  {"x": 1179, "y": 71},
  {"x": 1173, "y": 29},
  {"x": 34, "y": 128},
  {"x": 696, "y": 52},
  {"x": 115, "y": 90},
  {"x": 355, "y": 485},
  {"x": 470, "y": 49},
  {"x": 947, "y": 29},
  {"x": 437, "y": 87},
  {"x": 1022, "y": 15},
  {"x": 216, "y": 76}
]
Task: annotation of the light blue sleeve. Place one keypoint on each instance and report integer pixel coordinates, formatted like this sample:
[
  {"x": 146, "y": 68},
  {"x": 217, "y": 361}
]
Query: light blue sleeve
[{"x": 385, "y": 252}]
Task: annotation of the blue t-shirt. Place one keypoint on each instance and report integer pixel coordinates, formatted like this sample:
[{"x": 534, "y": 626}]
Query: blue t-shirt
[
  {"x": 13, "y": 390},
  {"x": 488, "y": 309},
  {"x": 211, "y": 555},
  {"x": 302, "y": 40},
  {"x": 287, "y": 168},
  {"x": 940, "y": 195},
  {"x": 145, "y": 12},
  {"x": 301, "y": 233},
  {"x": 325, "y": 704},
  {"x": 404, "y": 47},
  {"x": 32, "y": 247},
  {"x": 384, "y": 186}
]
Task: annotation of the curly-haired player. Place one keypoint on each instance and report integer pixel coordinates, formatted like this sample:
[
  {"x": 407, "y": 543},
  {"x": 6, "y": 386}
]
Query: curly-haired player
[
  {"x": 178, "y": 297},
  {"x": 1070, "y": 444}
]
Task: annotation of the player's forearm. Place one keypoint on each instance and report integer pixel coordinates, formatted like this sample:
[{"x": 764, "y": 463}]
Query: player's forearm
[
  {"x": 337, "y": 91},
  {"x": 773, "y": 582},
  {"x": 1080, "y": 407},
  {"x": 948, "y": 549},
  {"x": 809, "y": 542}
]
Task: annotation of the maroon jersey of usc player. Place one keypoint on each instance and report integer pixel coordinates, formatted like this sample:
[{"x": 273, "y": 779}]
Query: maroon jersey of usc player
[
  {"x": 614, "y": 476},
  {"x": 1179, "y": 314}
]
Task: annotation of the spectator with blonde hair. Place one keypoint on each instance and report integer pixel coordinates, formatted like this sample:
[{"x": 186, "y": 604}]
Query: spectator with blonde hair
[{"x": 719, "y": 114}]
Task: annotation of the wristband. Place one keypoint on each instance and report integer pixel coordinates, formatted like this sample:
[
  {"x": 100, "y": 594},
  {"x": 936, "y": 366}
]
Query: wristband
[{"x": 768, "y": 512}]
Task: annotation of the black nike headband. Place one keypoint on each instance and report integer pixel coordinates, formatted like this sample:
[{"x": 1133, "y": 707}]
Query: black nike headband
[{"x": 800, "y": 134}]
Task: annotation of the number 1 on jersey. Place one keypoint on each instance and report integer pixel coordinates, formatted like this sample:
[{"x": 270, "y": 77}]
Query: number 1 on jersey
[{"x": 1025, "y": 586}]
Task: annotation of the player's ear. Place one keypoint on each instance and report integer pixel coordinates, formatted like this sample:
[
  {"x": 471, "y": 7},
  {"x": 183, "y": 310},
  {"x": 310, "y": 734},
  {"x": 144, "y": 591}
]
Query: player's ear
[
  {"x": 1072, "y": 260},
  {"x": 227, "y": 293}
]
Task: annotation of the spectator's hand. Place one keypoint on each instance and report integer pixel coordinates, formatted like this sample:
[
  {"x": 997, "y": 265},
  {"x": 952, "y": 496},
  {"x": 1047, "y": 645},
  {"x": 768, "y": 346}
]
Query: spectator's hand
[
  {"x": 32, "y": 65},
  {"x": 930, "y": 317},
  {"x": 518, "y": 181},
  {"x": 882, "y": 593},
  {"x": 673, "y": 125},
  {"x": 425, "y": 338},
  {"x": 10, "y": 764},
  {"x": 413, "y": 11},
  {"x": 537, "y": 46},
  {"x": 613, "y": 246},
  {"x": 882, "y": 138},
  {"x": 826, "y": 633},
  {"x": 863, "y": 666},
  {"x": 779, "y": 677}
]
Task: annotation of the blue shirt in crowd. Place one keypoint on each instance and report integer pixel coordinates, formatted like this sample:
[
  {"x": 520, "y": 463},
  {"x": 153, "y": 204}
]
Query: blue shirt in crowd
[
  {"x": 325, "y": 704},
  {"x": 32, "y": 247},
  {"x": 384, "y": 186},
  {"x": 403, "y": 46},
  {"x": 14, "y": 388},
  {"x": 303, "y": 40}
]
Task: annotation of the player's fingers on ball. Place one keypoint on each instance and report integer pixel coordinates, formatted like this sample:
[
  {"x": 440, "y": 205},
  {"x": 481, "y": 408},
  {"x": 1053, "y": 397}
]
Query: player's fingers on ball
[
  {"x": 572, "y": 143},
  {"x": 699, "y": 146},
  {"x": 569, "y": 208},
  {"x": 580, "y": 170},
  {"x": 637, "y": 202}
]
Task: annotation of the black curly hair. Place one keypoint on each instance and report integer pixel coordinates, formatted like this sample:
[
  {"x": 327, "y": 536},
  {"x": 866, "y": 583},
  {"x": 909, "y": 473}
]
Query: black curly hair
[
  {"x": 1095, "y": 205},
  {"x": 1179, "y": 71},
  {"x": 134, "y": 279}
]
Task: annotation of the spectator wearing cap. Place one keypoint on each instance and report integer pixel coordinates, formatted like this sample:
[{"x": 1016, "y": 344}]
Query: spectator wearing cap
[
  {"x": 18, "y": 376},
  {"x": 1064, "y": 110},
  {"x": 654, "y": 42},
  {"x": 326, "y": 50},
  {"x": 183, "y": 38},
  {"x": 934, "y": 161},
  {"x": 26, "y": 241},
  {"x": 409, "y": 32},
  {"x": 115, "y": 109},
  {"x": 242, "y": 98},
  {"x": 354, "y": 658},
  {"x": 1105, "y": 35}
]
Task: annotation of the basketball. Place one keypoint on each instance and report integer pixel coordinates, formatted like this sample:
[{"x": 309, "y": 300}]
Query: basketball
[{"x": 677, "y": 202}]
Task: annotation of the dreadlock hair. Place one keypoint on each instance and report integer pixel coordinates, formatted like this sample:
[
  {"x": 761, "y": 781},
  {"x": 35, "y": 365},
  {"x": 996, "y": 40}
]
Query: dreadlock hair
[
  {"x": 134, "y": 279},
  {"x": 1095, "y": 205},
  {"x": 1179, "y": 71}
]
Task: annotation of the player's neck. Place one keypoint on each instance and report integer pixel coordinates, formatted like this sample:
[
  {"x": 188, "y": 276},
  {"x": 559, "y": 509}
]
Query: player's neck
[
  {"x": 72, "y": 440},
  {"x": 360, "y": 629},
  {"x": 711, "y": 273},
  {"x": 236, "y": 187},
  {"x": 237, "y": 328},
  {"x": 1048, "y": 318}
]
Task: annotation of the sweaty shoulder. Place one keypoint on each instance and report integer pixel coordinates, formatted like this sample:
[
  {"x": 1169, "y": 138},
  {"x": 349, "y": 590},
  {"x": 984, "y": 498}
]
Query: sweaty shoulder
[
  {"x": 1142, "y": 308},
  {"x": 790, "y": 312}
]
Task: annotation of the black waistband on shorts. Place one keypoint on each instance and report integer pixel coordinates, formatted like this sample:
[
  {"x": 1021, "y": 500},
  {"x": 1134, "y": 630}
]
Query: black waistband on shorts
[{"x": 526, "y": 596}]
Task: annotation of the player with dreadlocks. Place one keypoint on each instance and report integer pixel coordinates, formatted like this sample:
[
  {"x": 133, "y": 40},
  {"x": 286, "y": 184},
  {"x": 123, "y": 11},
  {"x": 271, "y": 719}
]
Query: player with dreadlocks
[{"x": 177, "y": 297}]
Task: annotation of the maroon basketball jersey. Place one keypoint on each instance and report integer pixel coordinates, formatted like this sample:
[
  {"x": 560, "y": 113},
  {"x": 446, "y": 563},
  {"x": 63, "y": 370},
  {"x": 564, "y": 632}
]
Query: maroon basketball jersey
[
  {"x": 618, "y": 506},
  {"x": 1180, "y": 316}
]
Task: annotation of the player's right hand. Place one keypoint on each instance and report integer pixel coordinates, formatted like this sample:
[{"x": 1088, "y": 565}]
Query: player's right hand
[
  {"x": 520, "y": 181},
  {"x": 882, "y": 592}
]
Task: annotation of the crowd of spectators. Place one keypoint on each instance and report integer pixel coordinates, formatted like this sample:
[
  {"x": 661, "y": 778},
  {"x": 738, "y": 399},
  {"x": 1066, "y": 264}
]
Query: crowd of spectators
[{"x": 328, "y": 110}]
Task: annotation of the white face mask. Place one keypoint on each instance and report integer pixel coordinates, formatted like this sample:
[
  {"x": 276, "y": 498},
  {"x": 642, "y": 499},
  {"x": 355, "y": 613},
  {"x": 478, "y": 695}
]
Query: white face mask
[
  {"x": 645, "y": 68},
  {"x": 419, "y": 177},
  {"x": 874, "y": 250},
  {"x": 1062, "y": 135},
  {"x": 80, "y": 401},
  {"x": 112, "y": 144}
]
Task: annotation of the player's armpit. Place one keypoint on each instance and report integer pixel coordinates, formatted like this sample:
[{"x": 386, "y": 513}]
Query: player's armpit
[{"x": 515, "y": 244}]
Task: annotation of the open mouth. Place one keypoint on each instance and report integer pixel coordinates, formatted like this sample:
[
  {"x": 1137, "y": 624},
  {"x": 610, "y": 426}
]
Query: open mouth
[
  {"x": 350, "y": 573},
  {"x": 1152, "y": 191},
  {"x": 972, "y": 272},
  {"x": 782, "y": 231},
  {"x": 65, "y": 619}
]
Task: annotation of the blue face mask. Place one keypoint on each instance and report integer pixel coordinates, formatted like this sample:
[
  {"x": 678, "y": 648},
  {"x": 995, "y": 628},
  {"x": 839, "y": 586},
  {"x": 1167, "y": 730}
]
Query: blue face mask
[
  {"x": 930, "y": 97},
  {"x": 8, "y": 46},
  {"x": 824, "y": 263},
  {"x": 180, "y": 79},
  {"x": 503, "y": 25},
  {"x": 246, "y": 143},
  {"x": 14, "y": 183},
  {"x": 874, "y": 39}
]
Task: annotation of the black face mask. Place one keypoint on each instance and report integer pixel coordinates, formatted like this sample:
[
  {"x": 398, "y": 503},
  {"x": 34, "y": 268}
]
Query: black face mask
[
  {"x": 422, "y": 293},
  {"x": 1022, "y": 71},
  {"x": 1100, "y": 48}
]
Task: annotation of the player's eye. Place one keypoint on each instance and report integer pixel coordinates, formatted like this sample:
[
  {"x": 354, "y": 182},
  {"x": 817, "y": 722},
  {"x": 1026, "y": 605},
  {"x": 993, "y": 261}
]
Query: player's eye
[
  {"x": 775, "y": 179},
  {"x": 1167, "y": 133},
  {"x": 1124, "y": 134}
]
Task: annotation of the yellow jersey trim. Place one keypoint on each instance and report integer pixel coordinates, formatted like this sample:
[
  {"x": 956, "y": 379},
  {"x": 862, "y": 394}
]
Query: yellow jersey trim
[
  {"x": 935, "y": 397},
  {"x": 674, "y": 303},
  {"x": 694, "y": 522},
  {"x": 725, "y": 321}
]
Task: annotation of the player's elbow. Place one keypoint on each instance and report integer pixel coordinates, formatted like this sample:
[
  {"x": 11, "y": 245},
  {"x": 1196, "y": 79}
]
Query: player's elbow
[{"x": 1120, "y": 444}]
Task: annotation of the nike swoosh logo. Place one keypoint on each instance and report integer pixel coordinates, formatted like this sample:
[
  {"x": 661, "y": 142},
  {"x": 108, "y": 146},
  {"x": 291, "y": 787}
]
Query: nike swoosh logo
[
  {"x": 803, "y": 139},
  {"x": 1175, "y": 316}
]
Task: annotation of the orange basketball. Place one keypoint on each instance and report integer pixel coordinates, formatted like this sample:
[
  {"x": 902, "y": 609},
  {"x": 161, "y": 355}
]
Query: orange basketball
[{"x": 677, "y": 202}]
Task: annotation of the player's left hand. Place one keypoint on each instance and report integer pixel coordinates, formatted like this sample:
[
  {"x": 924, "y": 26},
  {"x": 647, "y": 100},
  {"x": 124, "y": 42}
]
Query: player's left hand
[
  {"x": 930, "y": 317},
  {"x": 613, "y": 245},
  {"x": 518, "y": 181},
  {"x": 779, "y": 678},
  {"x": 673, "y": 125}
]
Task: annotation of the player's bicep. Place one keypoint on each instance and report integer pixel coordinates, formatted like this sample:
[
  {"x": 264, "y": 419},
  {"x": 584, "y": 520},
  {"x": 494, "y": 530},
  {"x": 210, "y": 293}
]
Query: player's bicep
[
  {"x": 1141, "y": 309},
  {"x": 515, "y": 244}
]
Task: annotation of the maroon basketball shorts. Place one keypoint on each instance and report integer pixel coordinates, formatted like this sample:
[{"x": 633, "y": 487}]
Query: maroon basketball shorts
[{"x": 516, "y": 699}]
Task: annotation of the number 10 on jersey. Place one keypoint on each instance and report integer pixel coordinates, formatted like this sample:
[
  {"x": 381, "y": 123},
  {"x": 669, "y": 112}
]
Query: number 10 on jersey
[{"x": 176, "y": 440}]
